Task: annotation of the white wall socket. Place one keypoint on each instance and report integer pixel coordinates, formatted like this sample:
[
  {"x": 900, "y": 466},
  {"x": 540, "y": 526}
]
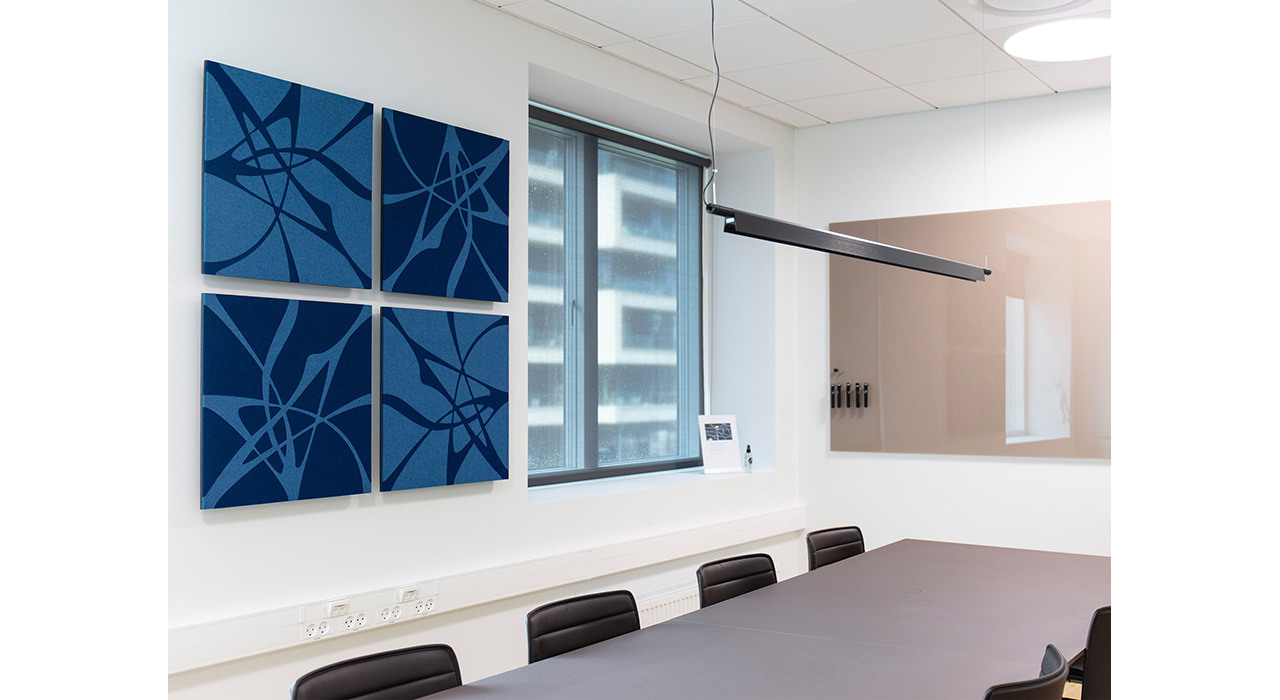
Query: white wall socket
[
  {"x": 316, "y": 630},
  {"x": 424, "y": 605}
]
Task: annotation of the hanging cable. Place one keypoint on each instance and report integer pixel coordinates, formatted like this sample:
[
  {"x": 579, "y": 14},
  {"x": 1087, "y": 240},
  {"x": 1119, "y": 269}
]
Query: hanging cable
[{"x": 711, "y": 136}]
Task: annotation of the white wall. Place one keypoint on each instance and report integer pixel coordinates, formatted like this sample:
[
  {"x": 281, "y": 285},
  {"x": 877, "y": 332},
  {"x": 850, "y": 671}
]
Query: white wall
[
  {"x": 1045, "y": 150},
  {"x": 467, "y": 64}
]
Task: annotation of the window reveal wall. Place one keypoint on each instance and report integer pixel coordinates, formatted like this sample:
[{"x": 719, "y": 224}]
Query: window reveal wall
[{"x": 1018, "y": 365}]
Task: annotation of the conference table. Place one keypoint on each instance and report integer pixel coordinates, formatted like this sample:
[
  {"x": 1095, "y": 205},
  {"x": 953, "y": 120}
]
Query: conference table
[{"x": 914, "y": 619}]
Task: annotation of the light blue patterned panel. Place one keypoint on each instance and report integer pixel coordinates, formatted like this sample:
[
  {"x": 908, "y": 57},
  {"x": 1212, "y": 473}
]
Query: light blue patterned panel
[{"x": 445, "y": 413}]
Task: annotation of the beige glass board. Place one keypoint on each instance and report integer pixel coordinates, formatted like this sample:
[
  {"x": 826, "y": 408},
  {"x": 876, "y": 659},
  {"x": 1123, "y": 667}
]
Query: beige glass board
[{"x": 1017, "y": 365}]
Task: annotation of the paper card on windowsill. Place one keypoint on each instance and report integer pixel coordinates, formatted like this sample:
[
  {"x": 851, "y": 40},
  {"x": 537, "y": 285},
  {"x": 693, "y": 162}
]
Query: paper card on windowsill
[{"x": 719, "y": 444}]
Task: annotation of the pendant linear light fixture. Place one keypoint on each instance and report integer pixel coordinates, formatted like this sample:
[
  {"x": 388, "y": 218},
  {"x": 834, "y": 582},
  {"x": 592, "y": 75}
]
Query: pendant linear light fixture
[
  {"x": 769, "y": 229},
  {"x": 778, "y": 231}
]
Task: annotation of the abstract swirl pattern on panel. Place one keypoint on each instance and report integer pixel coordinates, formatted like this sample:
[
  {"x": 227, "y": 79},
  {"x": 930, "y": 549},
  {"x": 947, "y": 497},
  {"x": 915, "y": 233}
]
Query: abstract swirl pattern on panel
[
  {"x": 445, "y": 193},
  {"x": 445, "y": 414},
  {"x": 288, "y": 173},
  {"x": 286, "y": 400}
]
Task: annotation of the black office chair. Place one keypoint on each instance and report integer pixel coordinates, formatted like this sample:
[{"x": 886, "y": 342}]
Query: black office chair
[
  {"x": 1093, "y": 670},
  {"x": 1053, "y": 678},
  {"x": 726, "y": 578},
  {"x": 833, "y": 544},
  {"x": 574, "y": 623},
  {"x": 401, "y": 674}
]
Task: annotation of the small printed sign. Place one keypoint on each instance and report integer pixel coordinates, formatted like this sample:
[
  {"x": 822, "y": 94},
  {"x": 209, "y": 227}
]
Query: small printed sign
[{"x": 720, "y": 444}]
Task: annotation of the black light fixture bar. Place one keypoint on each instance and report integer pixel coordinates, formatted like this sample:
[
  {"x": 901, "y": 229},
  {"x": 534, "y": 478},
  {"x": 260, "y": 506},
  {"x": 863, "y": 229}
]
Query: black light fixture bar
[{"x": 769, "y": 229}]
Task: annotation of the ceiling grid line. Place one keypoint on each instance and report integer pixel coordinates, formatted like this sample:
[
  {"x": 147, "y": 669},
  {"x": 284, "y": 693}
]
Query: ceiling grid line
[{"x": 889, "y": 57}]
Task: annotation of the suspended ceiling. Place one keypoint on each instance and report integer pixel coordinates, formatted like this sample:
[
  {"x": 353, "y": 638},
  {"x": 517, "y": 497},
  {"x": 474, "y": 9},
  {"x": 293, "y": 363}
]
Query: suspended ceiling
[{"x": 811, "y": 62}]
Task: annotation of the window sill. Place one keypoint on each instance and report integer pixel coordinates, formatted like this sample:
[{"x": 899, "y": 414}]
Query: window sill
[
  {"x": 555, "y": 493},
  {"x": 1019, "y": 439}
]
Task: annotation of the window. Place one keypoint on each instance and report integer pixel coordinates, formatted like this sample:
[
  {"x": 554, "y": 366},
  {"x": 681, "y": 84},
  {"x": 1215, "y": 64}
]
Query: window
[{"x": 615, "y": 302}]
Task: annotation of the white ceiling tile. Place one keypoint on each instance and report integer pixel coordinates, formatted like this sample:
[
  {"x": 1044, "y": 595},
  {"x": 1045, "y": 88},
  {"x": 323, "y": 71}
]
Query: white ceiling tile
[
  {"x": 731, "y": 91},
  {"x": 862, "y": 105},
  {"x": 742, "y": 46},
  {"x": 795, "y": 81},
  {"x": 777, "y": 8},
  {"x": 952, "y": 57},
  {"x": 865, "y": 25},
  {"x": 561, "y": 20},
  {"x": 642, "y": 54},
  {"x": 645, "y": 19},
  {"x": 977, "y": 89},
  {"x": 1074, "y": 75},
  {"x": 788, "y": 115}
]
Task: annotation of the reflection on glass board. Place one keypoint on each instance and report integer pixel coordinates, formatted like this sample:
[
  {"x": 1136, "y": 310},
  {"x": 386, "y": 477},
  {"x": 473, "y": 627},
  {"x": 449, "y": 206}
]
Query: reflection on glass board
[{"x": 1017, "y": 365}]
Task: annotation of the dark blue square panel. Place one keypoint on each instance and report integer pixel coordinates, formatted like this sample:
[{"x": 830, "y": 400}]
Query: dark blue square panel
[
  {"x": 286, "y": 400},
  {"x": 288, "y": 172},
  {"x": 445, "y": 193},
  {"x": 445, "y": 414}
]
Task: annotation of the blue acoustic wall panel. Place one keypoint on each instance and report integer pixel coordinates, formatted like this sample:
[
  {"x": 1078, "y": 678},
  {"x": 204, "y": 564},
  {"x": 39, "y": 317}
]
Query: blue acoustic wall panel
[
  {"x": 286, "y": 400},
  {"x": 445, "y": 193},
  {"x": 288, "y": 173},
  {"x": 445, "y": 414}
]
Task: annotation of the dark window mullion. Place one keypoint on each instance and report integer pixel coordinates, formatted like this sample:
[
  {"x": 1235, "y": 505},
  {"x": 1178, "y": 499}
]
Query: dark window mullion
[{"x": 590, "y": 319}]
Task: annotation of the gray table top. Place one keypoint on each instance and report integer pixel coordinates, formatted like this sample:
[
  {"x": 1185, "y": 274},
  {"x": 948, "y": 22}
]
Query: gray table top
[{"x": 913, "y": 619}]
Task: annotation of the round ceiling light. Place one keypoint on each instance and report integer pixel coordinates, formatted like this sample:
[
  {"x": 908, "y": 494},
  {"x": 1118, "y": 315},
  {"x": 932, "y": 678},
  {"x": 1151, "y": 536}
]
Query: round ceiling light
[
  {"x": 1063, "y": 40},
  {"x": 1025, "y": 8},
  {"x": 1027, "y": 5}
]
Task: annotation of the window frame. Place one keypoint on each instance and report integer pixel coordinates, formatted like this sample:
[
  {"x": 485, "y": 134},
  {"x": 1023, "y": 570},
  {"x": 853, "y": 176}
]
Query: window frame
[{"x": 590, "y": 387}]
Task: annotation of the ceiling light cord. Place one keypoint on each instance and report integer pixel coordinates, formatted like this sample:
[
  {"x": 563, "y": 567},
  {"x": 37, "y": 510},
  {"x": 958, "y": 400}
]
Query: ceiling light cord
[{"x": 711, "y": 136}]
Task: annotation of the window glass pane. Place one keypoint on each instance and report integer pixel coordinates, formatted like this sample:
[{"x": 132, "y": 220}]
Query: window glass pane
[
  {"x": 551, "y": 174},
  {"x": 647, "y": 329},
  {"x": 638, "y": 230}
]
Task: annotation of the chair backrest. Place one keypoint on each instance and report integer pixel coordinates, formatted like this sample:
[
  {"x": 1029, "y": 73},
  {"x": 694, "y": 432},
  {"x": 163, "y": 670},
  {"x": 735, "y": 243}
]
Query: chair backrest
[
  {"x": 1096, "y": 684},
  {"x": 833, "y": 544},
  {"x": 725, "y": 578},
  {"x": 574, "y": 623},
  {"x": 1049, "y": 686},
  {"x": 400, "y": 674}
]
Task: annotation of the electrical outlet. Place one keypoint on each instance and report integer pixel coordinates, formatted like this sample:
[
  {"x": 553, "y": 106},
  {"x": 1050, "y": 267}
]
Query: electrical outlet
[
  {"x": 309, "y": 631},
  {"x": 424, "y": 605},
  {"x": 361, "y": 620},
  {"x": 324, "y": 628},
  {"x": 349, "y": 622}
]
